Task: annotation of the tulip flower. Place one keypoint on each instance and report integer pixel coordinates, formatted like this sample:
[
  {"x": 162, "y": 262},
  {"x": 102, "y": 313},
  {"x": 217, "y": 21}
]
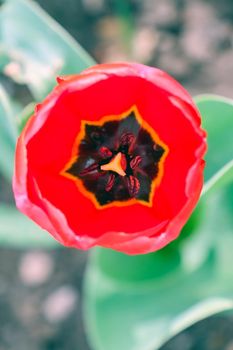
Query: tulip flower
[{"x": 113, "y": 157}]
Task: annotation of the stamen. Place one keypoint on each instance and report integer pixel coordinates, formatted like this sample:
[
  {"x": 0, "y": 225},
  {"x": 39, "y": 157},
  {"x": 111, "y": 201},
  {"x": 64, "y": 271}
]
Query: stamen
[
  {"x": 89, "y": 169},
  {"x": 105, "y": 152},
  {"x": 128, "y": 140},
  {"x": 135, "y": 162},
  {"x": 133, "y": 185},
  {"x": 96, "y": 137},
  {"x": 116, "y": 165},
  {"x": 110, "y": 182}
]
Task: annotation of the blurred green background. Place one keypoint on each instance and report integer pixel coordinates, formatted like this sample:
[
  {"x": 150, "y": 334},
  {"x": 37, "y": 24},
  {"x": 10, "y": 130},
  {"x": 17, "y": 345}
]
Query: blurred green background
[{"x": 40, "y": 290}]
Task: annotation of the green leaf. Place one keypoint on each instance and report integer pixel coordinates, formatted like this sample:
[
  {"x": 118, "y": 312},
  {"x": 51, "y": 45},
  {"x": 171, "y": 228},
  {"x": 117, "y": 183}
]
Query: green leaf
[
  {"x": 217, "y": 117},
  {"x": 8, "y": 134},
  {"x": 140, "y": 302},
  {"x": 39, "y": 49},
  {"x": 222, "y": 178},
  {"x": 16, "y": 230},
  {"x": 25, "y": 114}
]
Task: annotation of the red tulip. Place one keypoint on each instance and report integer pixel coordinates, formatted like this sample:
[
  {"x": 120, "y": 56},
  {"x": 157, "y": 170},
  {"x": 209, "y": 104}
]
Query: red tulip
[{"x": 112, "y": 157}]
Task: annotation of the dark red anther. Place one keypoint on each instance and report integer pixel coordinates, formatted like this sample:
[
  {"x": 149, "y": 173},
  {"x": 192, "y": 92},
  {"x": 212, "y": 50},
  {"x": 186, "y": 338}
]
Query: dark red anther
[
  {"x": 89, "y": 169},
  {"x": 128, "y": 140},
  {"x": 135, "y": 162},
  {"x": 110, "y": 182},
  {"x": 123, "y": 162},
  {"x": 96, "y": 137},
  {"x": 133, "y": 185},
  {"x": 105, "y": 152}
]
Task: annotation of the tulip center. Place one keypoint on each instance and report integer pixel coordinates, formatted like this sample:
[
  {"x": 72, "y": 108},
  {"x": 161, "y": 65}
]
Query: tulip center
[{"x": 117, "y": 160}]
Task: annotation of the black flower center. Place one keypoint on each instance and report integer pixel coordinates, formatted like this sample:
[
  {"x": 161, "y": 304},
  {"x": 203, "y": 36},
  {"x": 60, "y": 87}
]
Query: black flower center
[{"x": 118, "y": 160}]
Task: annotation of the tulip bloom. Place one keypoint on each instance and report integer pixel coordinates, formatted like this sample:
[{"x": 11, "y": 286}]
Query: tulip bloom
[{"x": 112, "y": 157}]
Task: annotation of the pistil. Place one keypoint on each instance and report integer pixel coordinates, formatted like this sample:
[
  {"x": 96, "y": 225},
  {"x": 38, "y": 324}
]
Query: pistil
[{"x": 116, "y": 165}]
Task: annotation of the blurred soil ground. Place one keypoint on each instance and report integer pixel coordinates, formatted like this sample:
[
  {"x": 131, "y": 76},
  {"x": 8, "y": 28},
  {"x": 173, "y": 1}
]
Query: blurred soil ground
[{"x": 40, "y": 291}]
